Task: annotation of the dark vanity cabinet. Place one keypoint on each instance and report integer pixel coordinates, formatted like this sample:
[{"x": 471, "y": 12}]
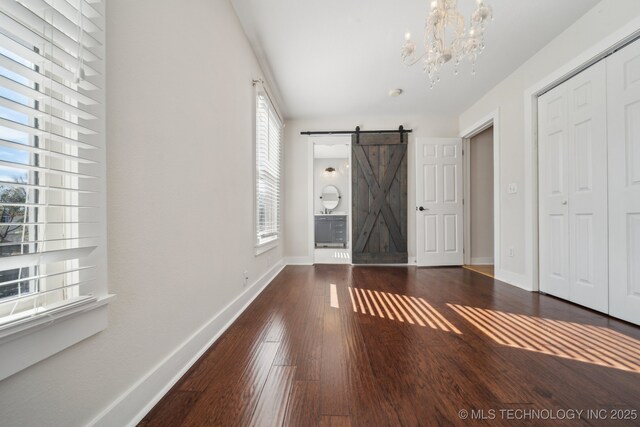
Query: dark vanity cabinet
[{"x": 331, "y": 229}]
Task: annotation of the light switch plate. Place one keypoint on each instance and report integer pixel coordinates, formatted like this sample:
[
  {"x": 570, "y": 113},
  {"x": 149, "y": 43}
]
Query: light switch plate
[{"x": 512, "y": 188}]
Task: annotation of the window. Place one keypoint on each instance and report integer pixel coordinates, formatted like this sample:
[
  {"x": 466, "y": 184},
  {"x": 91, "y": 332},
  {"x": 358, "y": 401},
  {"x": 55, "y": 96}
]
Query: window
[
  {"x": 52, "y": 205},
  {"x": 268, "y": 148}
]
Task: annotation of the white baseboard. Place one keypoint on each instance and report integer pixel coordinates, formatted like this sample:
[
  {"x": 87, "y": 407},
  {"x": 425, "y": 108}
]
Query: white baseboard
[
  {"x": 482, "y": 261},
  {"x": 138, "y": 400},
  {"x": 299, "y": 260},
  {"x": 518, "y": 280}
]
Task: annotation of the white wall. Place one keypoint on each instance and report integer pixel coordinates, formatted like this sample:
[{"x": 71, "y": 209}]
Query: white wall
[
  {"x": 180, "y": 204},
  {"x": 340, "y": 179},
  {"x": 481, "y": 192},
  {"x": 604, "y": 19},
  {"x": 296, "y": 157}
]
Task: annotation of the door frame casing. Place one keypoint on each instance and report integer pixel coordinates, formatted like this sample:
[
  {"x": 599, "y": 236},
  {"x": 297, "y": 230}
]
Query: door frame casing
[
  {"x": 312, "y": 140},
  {"x": 597, "y": 52},
  {"x": 492, "y": 119}
]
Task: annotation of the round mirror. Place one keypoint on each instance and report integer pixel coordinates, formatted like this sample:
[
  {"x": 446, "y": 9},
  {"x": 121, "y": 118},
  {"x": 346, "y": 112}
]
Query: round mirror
[{"x": 330, "y": 197}]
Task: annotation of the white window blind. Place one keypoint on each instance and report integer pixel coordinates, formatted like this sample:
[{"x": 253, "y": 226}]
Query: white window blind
[
  {"x": 51, "y": 157},
  {"x": 268, "y": 148}
]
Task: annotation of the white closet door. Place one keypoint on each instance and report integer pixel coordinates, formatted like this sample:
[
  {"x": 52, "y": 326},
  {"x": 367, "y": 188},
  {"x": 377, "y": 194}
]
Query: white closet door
[
  {"x": 573, "y": 190},
  {"x": 553, "y": 149},
  {"x": 623, "y": 99},
  {"x": 588, "y": 236}
]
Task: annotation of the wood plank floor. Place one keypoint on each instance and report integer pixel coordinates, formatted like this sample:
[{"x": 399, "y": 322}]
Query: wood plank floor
[{"x": 408, "y": 347}]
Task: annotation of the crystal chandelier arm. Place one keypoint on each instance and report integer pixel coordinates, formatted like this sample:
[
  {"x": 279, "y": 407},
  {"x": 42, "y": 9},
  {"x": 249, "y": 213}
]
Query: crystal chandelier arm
[
  {"x": 413, "y": 59},
  {"x": 447, "y": 37}
]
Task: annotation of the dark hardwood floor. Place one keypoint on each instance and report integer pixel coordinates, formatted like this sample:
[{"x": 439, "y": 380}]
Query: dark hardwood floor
[{"x": 409, "y": 347}]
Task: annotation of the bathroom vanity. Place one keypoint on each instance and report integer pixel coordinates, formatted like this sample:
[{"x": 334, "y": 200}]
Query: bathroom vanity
[
  {"x": 331, "y": 229},
  {"x": 330, "y": 226}
]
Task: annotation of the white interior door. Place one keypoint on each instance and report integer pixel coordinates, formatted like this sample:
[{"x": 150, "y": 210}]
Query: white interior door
[
  {"x": 623, "y": 100},
  {"x": 573, "y": 190},
  {"x": 439, "y": 201}
]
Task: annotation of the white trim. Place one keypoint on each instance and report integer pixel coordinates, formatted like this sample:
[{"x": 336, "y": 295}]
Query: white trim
[
  {"x": 266, "y": 246},
  {"x": 518, "y": 280},
  {"x": 299, "y": 260},
  {"x": 531, "y": 188},
  {"x": 481, "y": 261},
  {"x": 590, "y": 56},
  {"x": 492, "y": 119},
  {"x": 349, "y": 211},
  {"x": 466, "y": 200},
  {"x": 311, "y": 247},
  {"x": 56, "y": 312},
  {"x": 481, "y": 125},
  {"x": 131, "y": 406},
  {"x": 60, "y": 331},
  {"x": 324, "y": 140}
]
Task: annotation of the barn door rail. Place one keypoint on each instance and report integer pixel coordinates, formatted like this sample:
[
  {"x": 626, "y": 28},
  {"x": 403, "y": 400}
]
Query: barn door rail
[{"x": 401, "y": 130}]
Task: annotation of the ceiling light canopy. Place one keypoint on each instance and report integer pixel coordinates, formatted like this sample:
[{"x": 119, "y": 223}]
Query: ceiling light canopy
[{"x": 448, "y": 38}]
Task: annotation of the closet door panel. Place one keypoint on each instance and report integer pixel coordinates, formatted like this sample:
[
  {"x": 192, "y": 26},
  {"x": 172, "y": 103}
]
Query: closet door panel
[
  {"x": 623, "y": 103},
  {"x": 553, "y": 195},
  {"x": 573, "y": 189},
  {"x": 587, "y": 201}
]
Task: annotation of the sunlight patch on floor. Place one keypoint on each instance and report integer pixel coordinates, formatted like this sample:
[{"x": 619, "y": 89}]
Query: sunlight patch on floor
[
  {"x": 569, "y": 340},
  {"x": 333, "y": 296},
  {"x": 402, "y": 308}
]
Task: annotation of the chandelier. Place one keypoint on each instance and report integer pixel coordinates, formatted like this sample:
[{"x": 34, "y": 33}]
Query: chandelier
[{"x": 447, "y": 38}]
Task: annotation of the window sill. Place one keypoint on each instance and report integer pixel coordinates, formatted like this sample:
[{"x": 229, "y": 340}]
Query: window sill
[
  {"x": 29, "y": 342},
  {"x": 266, "y": 246}
]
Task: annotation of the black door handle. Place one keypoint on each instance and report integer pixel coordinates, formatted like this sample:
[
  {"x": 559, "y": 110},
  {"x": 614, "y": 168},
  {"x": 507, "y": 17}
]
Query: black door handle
[{"x": 422, "y": 209}]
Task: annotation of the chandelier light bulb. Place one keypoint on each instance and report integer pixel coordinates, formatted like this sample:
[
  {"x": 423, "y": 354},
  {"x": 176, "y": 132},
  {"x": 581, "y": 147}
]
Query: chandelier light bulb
[{"x": 447, "y": 37}]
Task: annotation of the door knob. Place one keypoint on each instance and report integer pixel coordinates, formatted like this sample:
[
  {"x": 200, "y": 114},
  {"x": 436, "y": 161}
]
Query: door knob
[
  {"x": 422, "y": 209},
  {"x": 564, "y": 202}
]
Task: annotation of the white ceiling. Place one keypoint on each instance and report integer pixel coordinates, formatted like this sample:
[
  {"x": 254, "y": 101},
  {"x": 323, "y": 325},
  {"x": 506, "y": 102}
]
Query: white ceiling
[{"x": 341, "y": 57}]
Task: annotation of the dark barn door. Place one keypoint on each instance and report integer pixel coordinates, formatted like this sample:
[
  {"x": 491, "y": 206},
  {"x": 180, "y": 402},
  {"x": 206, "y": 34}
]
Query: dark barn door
[{"x": 379, "y": 177}]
